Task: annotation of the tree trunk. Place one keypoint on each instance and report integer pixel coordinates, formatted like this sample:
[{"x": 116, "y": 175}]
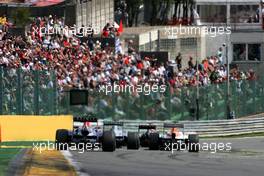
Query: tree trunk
[
  {"x": 179, "y": 12},
  {"x": 166, "y": 11},
  {"x": 154, "y": 12},
  {"x": 131, "y": 17},
  {"x": 136, "y": 19},
  {"x": 176, "y": 4},
  {"x": 191, "y": 12}
]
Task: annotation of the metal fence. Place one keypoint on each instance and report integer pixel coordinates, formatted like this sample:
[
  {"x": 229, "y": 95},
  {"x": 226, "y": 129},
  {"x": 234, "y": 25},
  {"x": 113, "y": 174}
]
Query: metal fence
[
  {"x": 36, "y": 92},
  {"x": 246, "y": 98},
  {"x": 27, "y": 92}
]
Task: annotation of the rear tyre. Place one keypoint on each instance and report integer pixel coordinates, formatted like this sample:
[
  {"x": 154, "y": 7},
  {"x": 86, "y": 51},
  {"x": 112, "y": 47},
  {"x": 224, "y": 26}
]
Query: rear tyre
[
  {"x": 144, "y": 140},
  {"x": 62, "y": 139},
  {"x": 109, "y": 141},
  {"x": 193, "y": 144},
  {"x": 132, "y": 141},
  {"x": 154, "y": 141}
]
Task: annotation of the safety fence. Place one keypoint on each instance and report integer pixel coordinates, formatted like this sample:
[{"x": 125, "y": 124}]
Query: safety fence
[
  {"x": 186, "y": 103},
  {"x": 27, "y": 92},
  {"x": 36, "y": 93}
]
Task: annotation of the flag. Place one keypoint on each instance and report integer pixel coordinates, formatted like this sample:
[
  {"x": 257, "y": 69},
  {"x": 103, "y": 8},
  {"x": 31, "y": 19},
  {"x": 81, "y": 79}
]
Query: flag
[
  {"x": 120, "y": 29},
  {"x": 118, "y": 46},
  {"x": 116, "y": 25}
]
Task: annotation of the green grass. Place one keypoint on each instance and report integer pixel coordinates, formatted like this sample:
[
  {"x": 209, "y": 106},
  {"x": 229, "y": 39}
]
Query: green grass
[
  {"x": 21, "y": 143},
  {"x": 6, "y": 155},
  {"x": 9, "y": 151}
]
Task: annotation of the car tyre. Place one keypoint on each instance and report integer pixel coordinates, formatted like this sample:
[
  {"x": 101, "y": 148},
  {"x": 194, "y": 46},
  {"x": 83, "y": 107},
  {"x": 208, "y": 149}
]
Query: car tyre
[
  {"x": 154, "y": 141},
  {"x": 62, "y": 139},
  {"x": 108, "y": 141},
  {"x": 133, "y": 141},
  {"x": 193, "y": 144}
]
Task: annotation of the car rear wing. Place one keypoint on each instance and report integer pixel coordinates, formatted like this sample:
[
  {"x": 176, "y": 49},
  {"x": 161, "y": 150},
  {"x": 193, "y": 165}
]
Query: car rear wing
[
  {"x": 147, "y": 127},
  {"x": 113, "y": 124},
  {"x": 85, "y": 119},
  {"x": 173, "y": 125}
]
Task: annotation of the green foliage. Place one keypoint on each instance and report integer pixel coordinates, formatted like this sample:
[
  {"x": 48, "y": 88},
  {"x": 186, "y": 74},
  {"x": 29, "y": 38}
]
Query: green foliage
[
  {"x": 21, "y": 16},
  {"x": 159, "y": 10},
  {"x": 133, "y": 11}
]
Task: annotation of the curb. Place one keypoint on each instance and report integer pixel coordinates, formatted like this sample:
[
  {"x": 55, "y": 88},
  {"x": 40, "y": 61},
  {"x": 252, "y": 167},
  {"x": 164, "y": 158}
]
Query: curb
[
  {"x": 47, "y": 163},
  {"x": 17, "y": 164}
]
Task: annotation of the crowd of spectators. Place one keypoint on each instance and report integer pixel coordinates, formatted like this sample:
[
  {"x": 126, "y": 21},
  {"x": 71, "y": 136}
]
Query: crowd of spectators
[{"x": 87, "y": 64}]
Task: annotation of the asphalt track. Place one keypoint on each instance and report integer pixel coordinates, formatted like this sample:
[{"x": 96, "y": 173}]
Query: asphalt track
[{"x": 245, "y": 159}]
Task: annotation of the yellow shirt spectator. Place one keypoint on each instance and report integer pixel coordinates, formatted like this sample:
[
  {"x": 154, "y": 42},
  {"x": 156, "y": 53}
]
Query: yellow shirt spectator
[{"x": 3, "y": 20}]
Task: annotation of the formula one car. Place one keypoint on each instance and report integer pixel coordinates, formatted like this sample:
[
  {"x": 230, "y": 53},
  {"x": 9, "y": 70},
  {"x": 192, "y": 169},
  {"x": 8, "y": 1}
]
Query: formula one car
[
  {"x": 144, "y": 138},
  {"x": 89, "y": 132},
  {"x": 175, "y": 136},
  {"x": 136, "y": 139},
  {"x": 120, "y": 134}
]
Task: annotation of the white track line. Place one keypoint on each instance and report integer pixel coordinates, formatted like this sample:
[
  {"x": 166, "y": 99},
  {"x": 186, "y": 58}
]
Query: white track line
[{"x": 67, "y": 154}]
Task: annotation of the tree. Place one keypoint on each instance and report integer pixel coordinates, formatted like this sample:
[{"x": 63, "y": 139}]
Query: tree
[
  {"x": 21, "y": 16},
  {"x": 166, "y": 11},
  {"x": 160, "y": 9},
  {"x": 176, "y": 8},
  {"x": 156, "y": 4},
  {"x": 133, "y": 11},
  {"x": 186, "y": 6}
]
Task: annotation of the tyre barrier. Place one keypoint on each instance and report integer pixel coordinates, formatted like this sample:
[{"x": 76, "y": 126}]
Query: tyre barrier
[{"x": 209, "y": 128}]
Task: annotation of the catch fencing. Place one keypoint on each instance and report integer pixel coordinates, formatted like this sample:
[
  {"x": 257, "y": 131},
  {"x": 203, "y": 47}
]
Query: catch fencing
[
  {"x": 208, "y": 103},
  {"x": 27, "y": 92},
  {"x": 37, "y": 93}
]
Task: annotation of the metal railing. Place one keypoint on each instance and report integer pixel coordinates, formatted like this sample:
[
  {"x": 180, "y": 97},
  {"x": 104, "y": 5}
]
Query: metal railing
[{"x": 209, "y": 128}]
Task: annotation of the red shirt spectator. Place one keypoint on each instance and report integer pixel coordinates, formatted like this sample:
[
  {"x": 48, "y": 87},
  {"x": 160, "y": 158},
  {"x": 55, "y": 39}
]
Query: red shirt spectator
[{"x": 140, "y": 65}]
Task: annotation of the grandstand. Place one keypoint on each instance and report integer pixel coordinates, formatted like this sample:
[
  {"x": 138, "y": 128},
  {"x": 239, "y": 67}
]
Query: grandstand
[{"x": 45, "y": 67}]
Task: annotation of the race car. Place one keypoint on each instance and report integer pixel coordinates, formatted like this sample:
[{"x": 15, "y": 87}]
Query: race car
[
  {"x": 137, "y": 139},
  {"x": 87, "y": 133},
  {"x": 144, "y": 138},
  {"x": 174, "y": 135},
  {"x": 120, "y": 134}
]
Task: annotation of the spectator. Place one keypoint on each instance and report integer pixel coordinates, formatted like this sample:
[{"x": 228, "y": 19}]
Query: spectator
[
  {"x": 190, "y": 63},
  {"x": 178, "y": 61},
  {"x": 220, "y": 55},
  {"x": 89, "y": 64}
]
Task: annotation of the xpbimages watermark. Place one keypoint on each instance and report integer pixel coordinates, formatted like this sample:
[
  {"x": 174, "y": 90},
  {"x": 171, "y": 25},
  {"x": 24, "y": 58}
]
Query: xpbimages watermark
[
  {"x": 145, "y": 89},
  {"x": 212, "y": 147},
  {"x": 82, "y": 31},
  {"x": 79, "y": 147},
  {"x": 212, "y": 31}
]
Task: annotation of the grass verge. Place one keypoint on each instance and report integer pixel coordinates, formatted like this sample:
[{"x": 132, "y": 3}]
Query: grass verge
[
  {"x": 8, "y": 150},
  {"x": 6, "y": 155}
]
